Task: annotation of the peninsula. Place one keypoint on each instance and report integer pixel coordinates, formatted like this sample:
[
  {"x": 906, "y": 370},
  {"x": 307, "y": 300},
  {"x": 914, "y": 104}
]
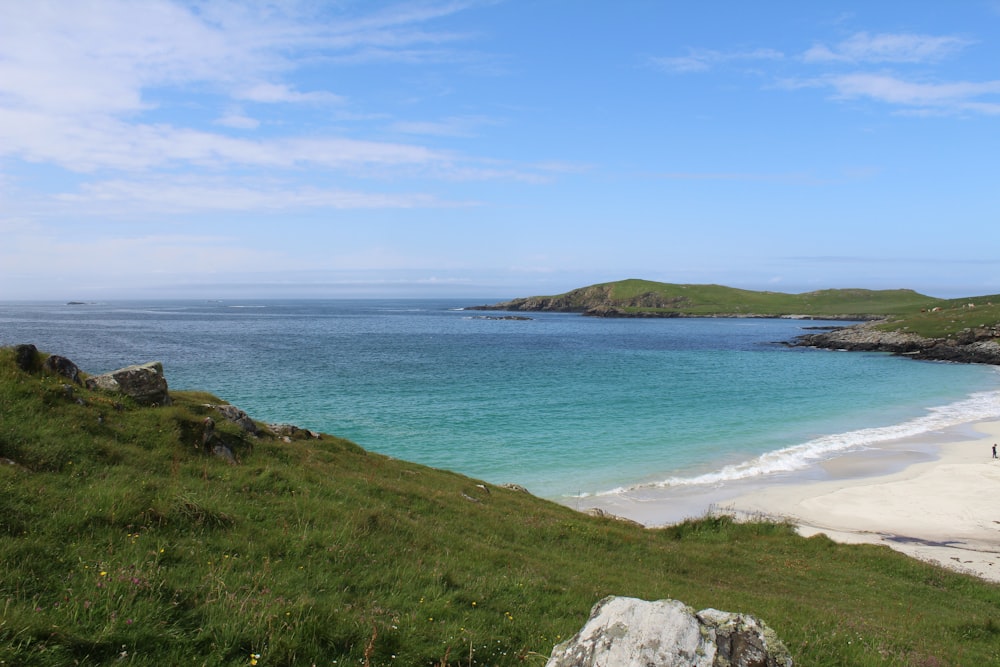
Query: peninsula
[{"x": 898, "y": 321}]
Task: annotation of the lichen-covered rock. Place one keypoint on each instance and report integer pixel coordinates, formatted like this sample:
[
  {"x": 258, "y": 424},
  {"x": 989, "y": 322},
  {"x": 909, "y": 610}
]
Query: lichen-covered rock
[
  {"x": 144, "y": 383},
  {"x": 62, "y": 366},
  {"x": 238, "y": 417},
  {"x": 627, "y": 632},
  {"x": 744, "y": 641}
]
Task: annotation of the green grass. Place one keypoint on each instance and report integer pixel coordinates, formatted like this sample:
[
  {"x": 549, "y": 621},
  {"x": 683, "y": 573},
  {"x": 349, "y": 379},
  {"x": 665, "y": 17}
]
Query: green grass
[
  {"x": 902, "y": 309},
  {"x": 644, "y": 296},
  {"x": 122, "y": 541},
  {"x": 951, "y": 319}
]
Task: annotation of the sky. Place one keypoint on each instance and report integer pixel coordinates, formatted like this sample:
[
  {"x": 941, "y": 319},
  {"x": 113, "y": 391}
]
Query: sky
[{"x": 495, "y": 148}]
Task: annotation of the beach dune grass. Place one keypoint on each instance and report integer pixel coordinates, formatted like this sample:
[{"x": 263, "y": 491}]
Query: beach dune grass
[{"x": 122, "y": 540}]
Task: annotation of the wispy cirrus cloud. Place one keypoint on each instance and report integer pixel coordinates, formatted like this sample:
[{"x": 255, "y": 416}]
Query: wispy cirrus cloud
[
  {"x": 110, "y": 143},
  {"x": 907, "y": 92},
  {"x": 700, "y": 60},
  {"x": 452, "y": 126},
  {"x": 181, "y": 195},
  {"x": 87, "y": 86},
  {"x": 981, "y": 97},
  {"x": 887, "y": 48}
]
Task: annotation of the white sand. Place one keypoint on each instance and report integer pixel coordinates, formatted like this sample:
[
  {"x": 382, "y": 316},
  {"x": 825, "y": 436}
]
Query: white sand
[
  {"x": 945, "y": 511},
  {"x": 936, "y": 502}
]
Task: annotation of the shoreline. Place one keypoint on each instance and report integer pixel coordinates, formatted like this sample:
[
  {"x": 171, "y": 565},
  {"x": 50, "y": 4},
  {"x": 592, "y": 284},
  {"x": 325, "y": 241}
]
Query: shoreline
[{"x": 930, "y": 497}]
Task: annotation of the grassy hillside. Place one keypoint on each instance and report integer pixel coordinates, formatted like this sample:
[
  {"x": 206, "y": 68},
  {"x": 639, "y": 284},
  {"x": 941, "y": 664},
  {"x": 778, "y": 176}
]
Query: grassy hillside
[
  {"x": 949, "y": 318},
  {"x": 644, "y": 296},
  {"x": 123, "y": 541}
]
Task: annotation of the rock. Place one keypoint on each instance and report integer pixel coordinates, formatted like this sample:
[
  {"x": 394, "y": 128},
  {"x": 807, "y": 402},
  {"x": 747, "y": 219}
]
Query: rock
[
  {"x": 208, "y": 431},
  {"x": 625, "y": 632},
  {"x": 744, "y": 641},
  {"x": 26, "y": 358},
  {"x": 62, "y": 366},
  {"x": 238, "y": 417},
  {"x": 223, "y": 452},
  {"x": 603, "y": 514},
  {"x": 144, "y": 383},
  {"x": 515, "y": 487},
  {"x": 976, "y": 346}
]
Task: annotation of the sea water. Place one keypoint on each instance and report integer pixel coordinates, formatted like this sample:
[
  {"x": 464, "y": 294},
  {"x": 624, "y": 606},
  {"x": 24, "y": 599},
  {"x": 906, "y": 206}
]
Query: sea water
[{"x": 562, "y": 404}]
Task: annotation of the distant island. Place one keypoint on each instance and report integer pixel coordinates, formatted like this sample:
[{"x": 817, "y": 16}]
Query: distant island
[{"x": 900, "y": 321}]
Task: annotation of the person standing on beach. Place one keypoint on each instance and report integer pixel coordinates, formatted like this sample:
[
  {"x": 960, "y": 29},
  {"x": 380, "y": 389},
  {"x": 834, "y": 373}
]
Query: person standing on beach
[{"x": 994, "y": 450}]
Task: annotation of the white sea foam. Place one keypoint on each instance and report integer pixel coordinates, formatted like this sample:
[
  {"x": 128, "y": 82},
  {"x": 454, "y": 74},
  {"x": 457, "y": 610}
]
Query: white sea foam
[{"x": 977, "y": 407}]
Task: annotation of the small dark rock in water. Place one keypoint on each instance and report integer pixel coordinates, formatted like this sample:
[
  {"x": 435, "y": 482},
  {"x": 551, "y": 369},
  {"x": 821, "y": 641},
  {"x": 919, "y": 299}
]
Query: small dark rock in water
[{"x": 520, "y": 318}]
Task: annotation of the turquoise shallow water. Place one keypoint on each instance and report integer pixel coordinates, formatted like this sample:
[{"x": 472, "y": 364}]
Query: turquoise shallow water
[{"x": 562, "y": 404}]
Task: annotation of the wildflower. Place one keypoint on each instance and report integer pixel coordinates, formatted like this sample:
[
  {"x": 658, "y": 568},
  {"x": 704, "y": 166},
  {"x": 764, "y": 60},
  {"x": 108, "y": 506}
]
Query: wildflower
[
  {"x": 104, "y": 573},
  {"x": 254, "y": 657}
]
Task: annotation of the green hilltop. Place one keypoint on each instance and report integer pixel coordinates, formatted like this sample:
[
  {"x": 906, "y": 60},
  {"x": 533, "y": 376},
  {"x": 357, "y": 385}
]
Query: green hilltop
[
  {"x": 125, "y": 540},
  {"x": 899, "y": 309},
  {"x": 635, "y": 297}
]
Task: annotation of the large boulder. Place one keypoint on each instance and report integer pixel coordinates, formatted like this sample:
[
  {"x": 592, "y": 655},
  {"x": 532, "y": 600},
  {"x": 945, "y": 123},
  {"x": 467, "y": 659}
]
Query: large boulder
[
  {"x": 26, "y": 358},
  {"x": 62, "y": 366},
  {"x": 144, "y": 383},
  {"x": 627, "y": 632}
]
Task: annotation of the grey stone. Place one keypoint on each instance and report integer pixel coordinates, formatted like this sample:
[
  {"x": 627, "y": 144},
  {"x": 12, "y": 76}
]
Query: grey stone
[
  {"x": 238, "y": 417},
  {"x": 144, "y": 383},
  {"x": 62, "y": 366},
  {"x": 627, "y": 632}
]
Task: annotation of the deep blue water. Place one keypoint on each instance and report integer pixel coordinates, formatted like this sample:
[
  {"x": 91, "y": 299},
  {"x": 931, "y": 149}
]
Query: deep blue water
[{"x": 562, "y": 404}]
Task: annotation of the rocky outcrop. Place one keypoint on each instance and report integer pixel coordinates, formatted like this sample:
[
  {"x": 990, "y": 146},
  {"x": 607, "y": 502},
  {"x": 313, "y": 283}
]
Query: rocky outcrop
[
  {"x": 623, "y": 632},
  {"x": 289, "y": 432},
  {"x": 26, "y": 358},
  {"x": 238, "y": 417},
  {"x": 975, "y": 345},
  {"x": 62, "y": 366},
  {"x": 144, "y": 383}
]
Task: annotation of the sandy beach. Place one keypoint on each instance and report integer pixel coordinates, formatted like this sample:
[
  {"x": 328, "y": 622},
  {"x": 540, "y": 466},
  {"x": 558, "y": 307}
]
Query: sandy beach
[{"x": 939, "y": 502}]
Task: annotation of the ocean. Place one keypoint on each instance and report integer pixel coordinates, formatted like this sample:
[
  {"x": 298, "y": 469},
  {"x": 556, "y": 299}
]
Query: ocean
[{"x": 567, "y": 406}]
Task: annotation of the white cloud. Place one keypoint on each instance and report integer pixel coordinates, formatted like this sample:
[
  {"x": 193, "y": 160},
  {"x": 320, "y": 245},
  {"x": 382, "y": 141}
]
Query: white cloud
[
  {"x": 88, "y": 144},
  {"x": 888, "y": 48},
  {"x": 130, "y": 258},
  {"x": 78, "y": 78},
  {"x": 947, "y": 97},
  {"x": 160, "y": 196},
  {"x": 699, "y": 60},
  {"x": 272, "y": 93},
  {"x": 453, "y": 126},
  {"x": 237, "y": 119}
]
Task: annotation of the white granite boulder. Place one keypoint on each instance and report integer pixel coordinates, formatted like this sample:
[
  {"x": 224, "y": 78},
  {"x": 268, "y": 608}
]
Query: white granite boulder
[
  {"x": 144, "y": 383},
  {"x": 627, "y": 632}
]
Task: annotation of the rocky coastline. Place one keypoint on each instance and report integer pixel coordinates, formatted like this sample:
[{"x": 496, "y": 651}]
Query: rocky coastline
[{"x": 971, "y": 346}]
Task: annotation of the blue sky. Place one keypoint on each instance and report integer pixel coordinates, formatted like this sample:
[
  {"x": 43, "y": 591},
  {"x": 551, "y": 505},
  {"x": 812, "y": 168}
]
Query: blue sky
[{"x": 160, "y": 148}]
